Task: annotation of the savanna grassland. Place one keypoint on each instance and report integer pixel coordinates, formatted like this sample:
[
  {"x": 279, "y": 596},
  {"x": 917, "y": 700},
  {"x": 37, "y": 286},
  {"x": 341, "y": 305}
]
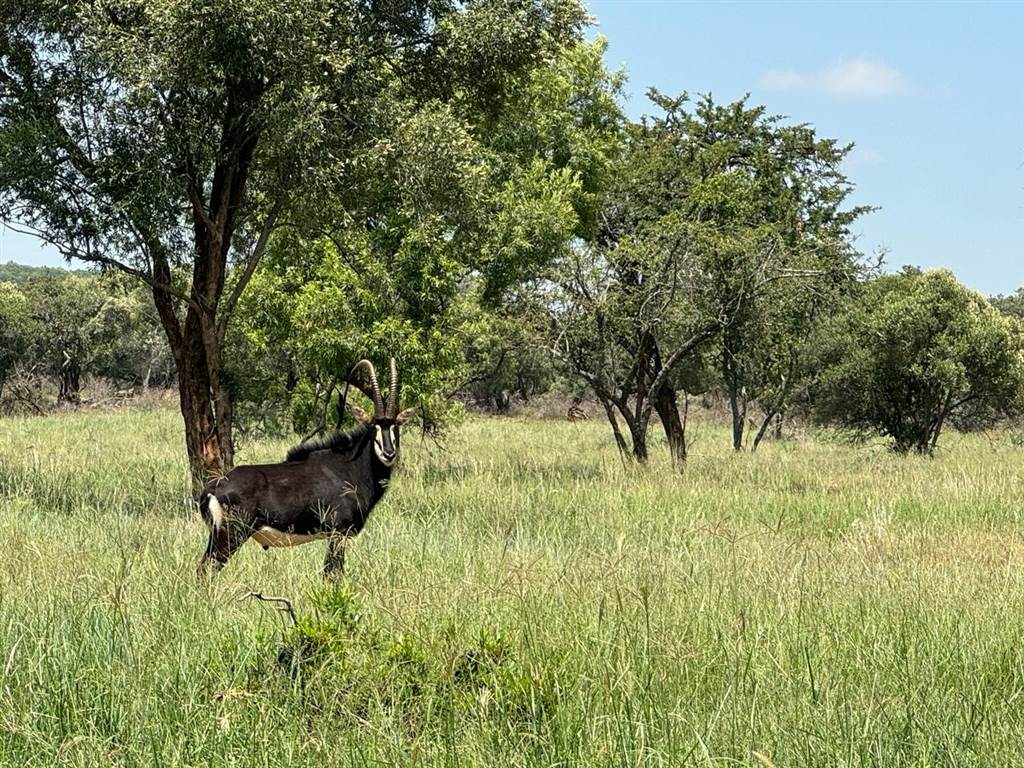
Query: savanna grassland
[{"x": 520, "y": 598}]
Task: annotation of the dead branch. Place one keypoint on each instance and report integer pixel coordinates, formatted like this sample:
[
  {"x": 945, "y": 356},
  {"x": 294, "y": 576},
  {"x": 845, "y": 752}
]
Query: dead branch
[{"x": 283, "y": 603}]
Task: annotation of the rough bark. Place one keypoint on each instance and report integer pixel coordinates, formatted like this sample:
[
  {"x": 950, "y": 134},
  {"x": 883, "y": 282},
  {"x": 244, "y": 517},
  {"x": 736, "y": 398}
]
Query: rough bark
[
  {"x": 667, "y": 407},
  {"x": 198, "y": 340},
  {"x": 209, "y": 448}
]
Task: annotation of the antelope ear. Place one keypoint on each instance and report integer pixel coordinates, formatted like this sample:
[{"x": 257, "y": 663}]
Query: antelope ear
[
  {"x": 361, "y": 415},
  {"x": 405, "y": 415}
]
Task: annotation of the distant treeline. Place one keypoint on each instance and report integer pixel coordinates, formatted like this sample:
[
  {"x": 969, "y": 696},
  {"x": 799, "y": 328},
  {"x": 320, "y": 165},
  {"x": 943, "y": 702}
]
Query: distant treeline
[
  {"x": 60, "y": 329},
  {"x": 902, "y": 355}
]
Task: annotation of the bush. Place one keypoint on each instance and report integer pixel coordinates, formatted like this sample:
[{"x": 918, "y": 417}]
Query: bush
[
  {"x": 913, "y": 352},
  {"x": 351, "y": 663}
]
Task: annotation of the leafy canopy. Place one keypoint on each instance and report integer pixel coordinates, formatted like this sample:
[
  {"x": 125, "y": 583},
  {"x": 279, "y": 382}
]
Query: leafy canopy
[
  {"x": 914, "y": 350},
  {"x": 460, "y": 205},
  {"x": 715, "y": 217}
]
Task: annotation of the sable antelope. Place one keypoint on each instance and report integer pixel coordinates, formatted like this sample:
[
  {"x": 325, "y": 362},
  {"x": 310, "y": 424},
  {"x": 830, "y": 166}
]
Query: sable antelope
[{"x": 325, "y": 489}]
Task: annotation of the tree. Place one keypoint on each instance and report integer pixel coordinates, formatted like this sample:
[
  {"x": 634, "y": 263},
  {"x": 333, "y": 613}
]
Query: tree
[
  {"x": 63, "y": 305},
  {"x": 778, "y": 343},
  {"x": 914, "y": 351},
  {"x": 125, "y": 343},
  {"x": 776, "y": 366},
  {"x": 1012, "y": 304},
  {"x": 458, "y": 205},
  {"x": 169, "y": 139},
  {"x": 308, "y": 319},
  {"x": 67, "y": 325},
  {"x": 611, "y": 332},
  {"x": 710, "y": 213},
  {"x": 746, "y": 169},
  {"x": 16, "y": 329},
  {"x": 506, "y": 358}
]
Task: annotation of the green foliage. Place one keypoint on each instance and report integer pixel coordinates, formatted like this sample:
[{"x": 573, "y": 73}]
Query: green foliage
[
  {"x": 317, "y": 83},
  {"x": 18, "y": 274},
  {"x": 552, "y": 155},
  {"x": 505, "y": 354},
  {"x": 460, "y": 203},
  {"x": 306, "y": 321},
  {"x": 105, "y": 325},
  {"x": 767, "y": 202},
  {"x": 16, "y": 328},
  {"x": 171, "y": 139},
  {"x": 63, "y": 306},
  {"x": 1012, "y": 304},
  {"x": 914, "y": 350},
  {"x": 60, "y": 326},
  {"x": 124, "y": 341},
  {"x": 718, "y": 221},
  {"x": 347, "y": 660}
]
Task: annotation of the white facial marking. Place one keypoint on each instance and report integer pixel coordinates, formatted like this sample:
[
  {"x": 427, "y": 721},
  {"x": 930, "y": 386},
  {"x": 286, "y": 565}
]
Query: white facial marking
[
  {"x": 378, "y": 445},
  {"x": 216, "y": 512}
]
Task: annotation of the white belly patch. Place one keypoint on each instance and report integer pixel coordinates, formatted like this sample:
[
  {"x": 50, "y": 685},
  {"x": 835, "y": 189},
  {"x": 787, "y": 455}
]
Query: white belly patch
[{"x": 272, "y": 537}]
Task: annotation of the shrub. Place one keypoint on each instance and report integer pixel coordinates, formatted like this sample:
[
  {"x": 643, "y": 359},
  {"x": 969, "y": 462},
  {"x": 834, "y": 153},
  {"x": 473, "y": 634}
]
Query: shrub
[{"x": 913, "y": 352}]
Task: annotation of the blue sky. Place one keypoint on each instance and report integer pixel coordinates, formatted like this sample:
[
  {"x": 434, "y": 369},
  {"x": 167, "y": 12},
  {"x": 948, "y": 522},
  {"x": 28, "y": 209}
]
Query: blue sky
[{"x": 931, "y": 94}]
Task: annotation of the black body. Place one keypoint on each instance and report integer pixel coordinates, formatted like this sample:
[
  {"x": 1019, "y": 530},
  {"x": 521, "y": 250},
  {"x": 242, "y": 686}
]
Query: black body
[{"x": 325, "y": 489}]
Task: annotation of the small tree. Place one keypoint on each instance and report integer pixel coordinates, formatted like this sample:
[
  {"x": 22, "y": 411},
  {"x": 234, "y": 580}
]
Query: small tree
[
  {"x": 126, "y": 344},
  {"x": 63, "y": 306},
  {"x": 506, "y": 359},
  {"x": 16, "y": 329},
  {"x": 911, "y": 353},
  {"x": 717, "y": 221}
]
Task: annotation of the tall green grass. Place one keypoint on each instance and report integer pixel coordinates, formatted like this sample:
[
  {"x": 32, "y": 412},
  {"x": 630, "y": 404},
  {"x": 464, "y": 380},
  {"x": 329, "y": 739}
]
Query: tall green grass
[{"x": 519, "y": 598}]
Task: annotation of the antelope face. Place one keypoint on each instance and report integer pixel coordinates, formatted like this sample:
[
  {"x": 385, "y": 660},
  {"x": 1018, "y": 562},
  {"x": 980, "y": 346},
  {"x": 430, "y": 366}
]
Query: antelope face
[{"x": 385, "y": 441}]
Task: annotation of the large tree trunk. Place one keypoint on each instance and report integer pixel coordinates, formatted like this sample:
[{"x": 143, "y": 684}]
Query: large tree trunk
[
  {"x": 208, "y": 438},
  {"x": 667, "y": 408}
]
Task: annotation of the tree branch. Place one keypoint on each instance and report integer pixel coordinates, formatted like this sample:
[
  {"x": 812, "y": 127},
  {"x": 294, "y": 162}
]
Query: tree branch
[{"x": 250, "y": 267}]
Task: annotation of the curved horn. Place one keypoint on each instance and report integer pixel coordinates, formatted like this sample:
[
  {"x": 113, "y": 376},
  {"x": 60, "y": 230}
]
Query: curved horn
[
  {"x": 378, "y": 402},
  {"x": 392, "y": 410}
]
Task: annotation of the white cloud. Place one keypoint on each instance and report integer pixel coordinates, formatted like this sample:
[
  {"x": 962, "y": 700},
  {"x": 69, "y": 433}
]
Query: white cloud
[
  {"x": 847, "y": 78},
  {"x": 861, "y": 157}
]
